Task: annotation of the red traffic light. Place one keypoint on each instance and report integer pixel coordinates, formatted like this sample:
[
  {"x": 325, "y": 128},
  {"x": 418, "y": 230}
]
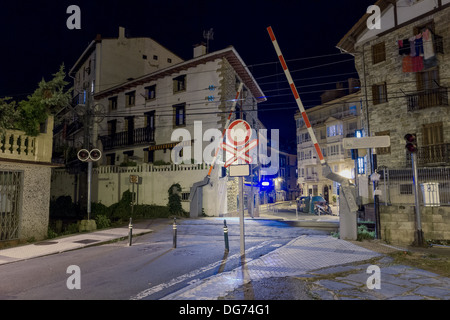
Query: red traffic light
[
  {"x": 83, "y": 155},
  {"x": 411, "y": 142}
]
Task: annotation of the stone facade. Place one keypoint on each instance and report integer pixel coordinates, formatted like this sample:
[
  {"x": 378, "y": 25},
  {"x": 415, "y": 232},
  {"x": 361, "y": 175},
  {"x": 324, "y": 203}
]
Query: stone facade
[{"x": 34, "y": 199}]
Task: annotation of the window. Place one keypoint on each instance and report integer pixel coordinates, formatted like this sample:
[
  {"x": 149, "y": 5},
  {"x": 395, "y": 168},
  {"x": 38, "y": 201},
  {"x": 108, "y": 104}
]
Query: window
[
  {"x": 406, "y": 189},
  {"x": 361, "y": 166},
  {"x": 185, "y": 196},
  {"x": 169, "y": 60},
  {"x": 155, "y": 57},
  {"x": 432, "y": 134},
  {"x": 112, "y": 127},
  {"x": 110, "y": 159},
  {"x": 334, "y": 130},
  {"x": 130, "y": 98},
  {"x": 379, "y": 93},
  {"x": 150, "y": 92},
  {"x": 427, "y": 80},
  {"x": 378, "y": 53},
  {"x": 149, "y": 156},
  {"x": 385, "y": 150},
  {"x": 179, "y": 84},
  {"x": 179, "y": 115},
  {"x": 112, "y": 103}
]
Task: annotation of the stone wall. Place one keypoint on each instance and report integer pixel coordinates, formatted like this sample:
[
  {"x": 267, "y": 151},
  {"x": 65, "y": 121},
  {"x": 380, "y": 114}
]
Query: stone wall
[
  {"x": 398, "y": 223},
  {"x": 35, "y": 199}
]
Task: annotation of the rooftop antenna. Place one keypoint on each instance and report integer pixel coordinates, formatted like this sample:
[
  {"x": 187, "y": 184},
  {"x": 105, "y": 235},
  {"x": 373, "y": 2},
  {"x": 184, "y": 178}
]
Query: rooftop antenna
[{"x": 208, "y": 35}]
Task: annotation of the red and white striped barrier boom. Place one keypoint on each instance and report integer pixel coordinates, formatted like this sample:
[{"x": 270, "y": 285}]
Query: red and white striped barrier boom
[{"x": 296, "y": 96}]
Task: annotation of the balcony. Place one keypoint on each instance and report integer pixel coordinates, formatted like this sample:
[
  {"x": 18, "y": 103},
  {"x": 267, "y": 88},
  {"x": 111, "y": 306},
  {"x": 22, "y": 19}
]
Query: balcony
[
  {"x": 128, "y": 138},
  {"x": 438, "y": 154},
  {"x": 427, "y": 99},
  {"x": 16, "y": 145},
  {"x": 310, "y": 161}
]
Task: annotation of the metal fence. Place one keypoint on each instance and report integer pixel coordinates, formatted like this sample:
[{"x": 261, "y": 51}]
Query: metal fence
[
  {"x": 396, "y": 186},
  {"x": 10, "y": 191}
]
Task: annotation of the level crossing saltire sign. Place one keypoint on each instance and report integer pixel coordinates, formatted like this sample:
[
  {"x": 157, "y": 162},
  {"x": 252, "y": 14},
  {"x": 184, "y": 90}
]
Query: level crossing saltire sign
[{"x": 238, "y": 144}]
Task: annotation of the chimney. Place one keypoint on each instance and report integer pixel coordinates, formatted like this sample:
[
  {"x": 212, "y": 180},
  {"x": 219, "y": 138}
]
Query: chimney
[
  {"x": 121, "y": 32},
  {"x": 353, "y": 85},
  {"x": 199, "y": 50}
]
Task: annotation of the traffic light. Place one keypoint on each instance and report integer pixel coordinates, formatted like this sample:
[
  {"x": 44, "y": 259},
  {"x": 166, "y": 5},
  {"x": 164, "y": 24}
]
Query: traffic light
[
  {"x": 411, "y": 143},
  {"x": 83, "y": 155},
  {"x": 95, "y": 154}
]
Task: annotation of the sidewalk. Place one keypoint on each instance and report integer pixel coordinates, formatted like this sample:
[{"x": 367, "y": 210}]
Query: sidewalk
[
  {"x": 319, "y": 268},
  {"x": 66, "y": 243}
]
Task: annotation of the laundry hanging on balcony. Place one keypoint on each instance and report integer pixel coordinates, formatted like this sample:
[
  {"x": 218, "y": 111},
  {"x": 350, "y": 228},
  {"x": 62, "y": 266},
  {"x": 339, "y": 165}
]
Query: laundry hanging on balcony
[{"x": 418, "y": 52}]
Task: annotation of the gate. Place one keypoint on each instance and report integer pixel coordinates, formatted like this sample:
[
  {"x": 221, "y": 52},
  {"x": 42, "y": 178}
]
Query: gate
[{"x": 10, "y": 191}]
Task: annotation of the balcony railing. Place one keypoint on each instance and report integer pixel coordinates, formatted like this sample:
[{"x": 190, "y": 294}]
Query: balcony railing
[
  {"x": 128, "y": 138},
  {"x": 438, "y": 154},
  {"x": 427, "y": 99},
  {"x": 16, "y": 145}
]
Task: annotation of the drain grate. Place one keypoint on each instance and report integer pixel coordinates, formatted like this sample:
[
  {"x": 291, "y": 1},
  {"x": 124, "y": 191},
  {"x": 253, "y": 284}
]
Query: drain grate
[{"x": 86, "y": 241}]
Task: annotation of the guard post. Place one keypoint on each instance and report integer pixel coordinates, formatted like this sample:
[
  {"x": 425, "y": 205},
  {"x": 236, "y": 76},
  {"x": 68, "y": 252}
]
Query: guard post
[
  {"x": 225, "y": 236},
  {"x": 174, "y": 227},
  {"x": 130, "y": 232}
]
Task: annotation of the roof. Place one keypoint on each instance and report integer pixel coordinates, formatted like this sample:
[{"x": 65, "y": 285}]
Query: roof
[
  {"x": 348, "y": 41},
  {"x": 86, "y": 53},
  {"x": 229, "y": 53}
]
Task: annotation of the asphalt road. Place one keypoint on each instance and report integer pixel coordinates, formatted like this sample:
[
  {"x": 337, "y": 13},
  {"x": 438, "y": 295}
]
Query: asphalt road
[{"x": 151, "y": 268}]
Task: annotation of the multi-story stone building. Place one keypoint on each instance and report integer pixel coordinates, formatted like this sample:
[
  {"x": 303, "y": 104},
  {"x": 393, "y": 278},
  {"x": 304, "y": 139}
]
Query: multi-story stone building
[
  {"x": 403, "y": 61},
  {"x": 332, "y": 121}
]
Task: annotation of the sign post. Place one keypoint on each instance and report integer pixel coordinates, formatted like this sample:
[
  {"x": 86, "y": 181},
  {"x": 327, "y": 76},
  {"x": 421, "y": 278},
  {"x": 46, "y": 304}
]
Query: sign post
[{"x": 238, "y": 145}]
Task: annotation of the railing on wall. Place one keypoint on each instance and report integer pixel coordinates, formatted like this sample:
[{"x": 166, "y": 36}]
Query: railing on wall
[
  {"x": 150, "y": 168},
  {"x": 127, "y": 138},
  {"x": 15, "y": 144},
  {"x": 396, "y": 185},
  {"x": 427, "y": 99}
]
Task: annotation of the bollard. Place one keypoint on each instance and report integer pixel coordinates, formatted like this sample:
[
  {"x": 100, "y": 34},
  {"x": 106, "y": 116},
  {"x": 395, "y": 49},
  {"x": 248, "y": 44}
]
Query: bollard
[
  {"x": 130, "y": 233},
  {"x": 174, "y": 232},
  {"x": 225, "y": 235}
]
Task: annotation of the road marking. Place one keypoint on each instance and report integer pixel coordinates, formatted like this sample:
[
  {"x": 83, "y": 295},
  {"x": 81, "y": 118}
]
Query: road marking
[{"x": 148, "y": 292}]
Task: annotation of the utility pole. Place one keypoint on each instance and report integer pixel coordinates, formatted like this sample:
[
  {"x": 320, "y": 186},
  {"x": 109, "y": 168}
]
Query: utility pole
[{"x": 411, "y": 146}]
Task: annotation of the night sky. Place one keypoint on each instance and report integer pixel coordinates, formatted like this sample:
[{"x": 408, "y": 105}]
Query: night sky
[{"x": 36, "y": 42}]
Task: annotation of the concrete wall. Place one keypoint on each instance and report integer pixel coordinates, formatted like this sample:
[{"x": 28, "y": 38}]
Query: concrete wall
[{"x": 110, "y": 182}]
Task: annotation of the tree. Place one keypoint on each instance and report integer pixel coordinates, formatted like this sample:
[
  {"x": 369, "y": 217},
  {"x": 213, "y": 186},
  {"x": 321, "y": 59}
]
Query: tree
[
  {"x": 28, "y": 114},
  {"x": 174, "y": 203},
  {"x": 8, "y": 114}
]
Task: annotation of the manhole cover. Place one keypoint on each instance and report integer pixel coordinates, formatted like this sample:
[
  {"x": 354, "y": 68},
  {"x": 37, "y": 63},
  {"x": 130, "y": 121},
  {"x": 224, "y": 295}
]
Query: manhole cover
[
  {"x": 86, "y": 241},
  {"x": 45, "y": 243}
]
